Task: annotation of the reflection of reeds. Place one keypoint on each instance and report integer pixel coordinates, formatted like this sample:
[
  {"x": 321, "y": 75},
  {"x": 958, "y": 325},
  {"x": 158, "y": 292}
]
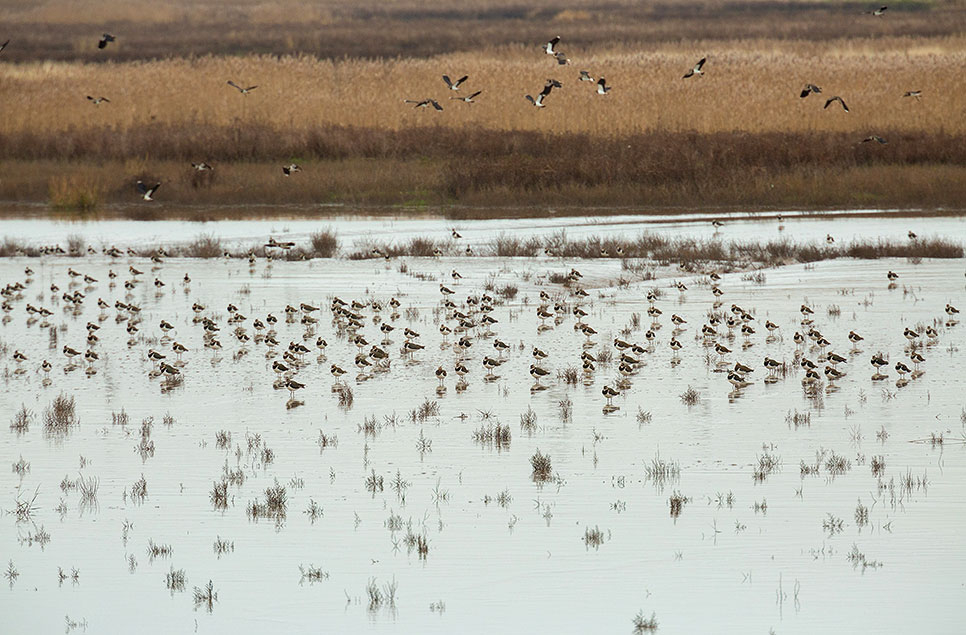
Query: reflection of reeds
[{"x": 175, "y": 580}]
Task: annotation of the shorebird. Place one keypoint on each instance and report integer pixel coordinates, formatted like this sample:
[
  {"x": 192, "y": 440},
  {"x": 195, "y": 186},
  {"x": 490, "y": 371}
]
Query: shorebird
[
  {"x": 455, "y": 85},
  {"x": 917, "y": 94},
  {"x": 809, "y": 89},
  {"x": 4, "y": 45},
  {"x": 147, "y": 192},
  {"x": 107, "y": 37},
  {"x": 538, "y": 102},
  {"x": 875, "y": 138},
  {"x": 912, "y": 235},
  {"x": 829, "y": 101},
  {"x": 201, "y": 167},
  {"x": 98, "y": 100},
  {"x": 892, "y": 276},
  {"x": 290, "y": 169},
  {"x": 424, "y": 103},
  {"x": 549, "y": 46},
  {"x": 877, "y": 12},
  {"x": 585, "y": 76},
  {"x": 696, "y": 70},
  {"x": 470, "y": 98},
  {"x": 602, "y": 88},
  {"x": 609, "y": 393},
  {"x": 243, "y": 91}
]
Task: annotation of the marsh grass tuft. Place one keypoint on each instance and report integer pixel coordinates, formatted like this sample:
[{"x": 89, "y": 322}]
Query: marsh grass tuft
[
  {"x": 20, "y": 423},
  {"x": 174, "y": 580},
  {"x": 542, "y": 468},
  {"x": 60, "y": 416},
  {"x": 644, "y": 624},
  {"x": 690, "y": 397},
  {"x": 325, "y": 244}
]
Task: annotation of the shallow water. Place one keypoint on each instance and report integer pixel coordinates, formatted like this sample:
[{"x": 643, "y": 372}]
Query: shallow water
[
  {"x": 845, "y": 227},
  {"x": 522, "y": 565}
]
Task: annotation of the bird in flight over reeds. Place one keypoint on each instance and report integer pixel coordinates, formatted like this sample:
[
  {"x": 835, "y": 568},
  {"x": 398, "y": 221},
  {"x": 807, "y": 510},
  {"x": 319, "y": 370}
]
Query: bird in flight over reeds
[
  {"x": 875, "y": 138},
  {"x": 830, "y": 100},
  {"x": 4, "y": 45},
  {"x": 147, "y": 192},
  {"x": 290, "y": 169},
  {"x": 585, "y": 76},
  {"x": 697, "y": 68},
  {"x": 913, "y": 93},
  {"x": 809, "y": 89},
  {"x": 243, "y": 91},
  {"x": 562, "y": 59},
  {"x": 424, "y": 103},
  {"x": 469, "y": 99},
  {"x": 455, "y": 85},
  {"x": 97, "y": 100},
  {"x": 538, "y": 102},
  {"x": 104, "y": 40},
  {"x": 878, "y": 12},
  {"x": 201, "y": 167},
  {"x": 602, "y": 88},
  {"x": 549, "y": 47}
]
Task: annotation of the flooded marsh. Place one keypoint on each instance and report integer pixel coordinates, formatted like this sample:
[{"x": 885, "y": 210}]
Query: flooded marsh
[{"x": 617, "y": 445}]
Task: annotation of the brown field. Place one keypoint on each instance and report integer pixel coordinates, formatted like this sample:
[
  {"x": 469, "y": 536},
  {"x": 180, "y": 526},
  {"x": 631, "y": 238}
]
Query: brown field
[{"x": 738, "y": 136}]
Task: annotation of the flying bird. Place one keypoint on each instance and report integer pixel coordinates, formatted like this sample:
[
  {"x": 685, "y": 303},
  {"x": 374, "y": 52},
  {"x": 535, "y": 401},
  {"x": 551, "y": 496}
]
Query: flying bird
[
  {"x": 602, "y": 88},
  {"x": 878, "y": 12},
  {"x": 829, "y": 102},
  {"x": 424, "y": 103},
  {"x": 104, "y": 40},
  {"x": 97, "y": 100},
  {"x": 455, "y": 85},
  {"x": 243, "y": 91},
  {"x": 538, "y": 102},
  {"x": 562, "y": 59},
  {"x": 469, "y": 99},
  {"x": 4, "y": 45},
  {"x": 697, "y": 68},
  {"x": 875, "y": 138},
  {"x": 201, "y": 167},
  {"x": 290, "y": 169},
  {"x": 147, "y": 192},
  {"x": 549, "y": 47},
  {"x": 585, "y": 76},
  {"x": 809, "y": 89},
  {"x": 913, "y": 93}
]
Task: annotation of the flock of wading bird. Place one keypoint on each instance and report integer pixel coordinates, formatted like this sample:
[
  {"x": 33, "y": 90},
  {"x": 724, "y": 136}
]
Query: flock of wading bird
[
  {"x": 469, "y": 342},
  {"x": 550, "y": 48}
]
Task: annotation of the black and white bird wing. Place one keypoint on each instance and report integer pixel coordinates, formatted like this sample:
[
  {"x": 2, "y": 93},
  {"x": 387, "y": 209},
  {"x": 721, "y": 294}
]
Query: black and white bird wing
[
  {"x": 532, "y": 100},
  {"x": 236, "y": 86},
  {"x": 250, "y": 88},
  {"x": 552, "y": 43},
  {"x": 460, "y": 81},
  {"x": 474, "y": 95},
  {"x": 142, "y": 188},
  {"x": 602, "y": 86},
  {"x": 700, "y": 64},
  {"x": 4, "y": 45},
  {"x": 435, "y": 104},
  {"x": 562, "y": 59},
  {"x": 446, "y": 79},
  {"x": 546, "y": 90},
  {"x": 829, "y": 102},
  {"x": 154, "y": 188}
]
